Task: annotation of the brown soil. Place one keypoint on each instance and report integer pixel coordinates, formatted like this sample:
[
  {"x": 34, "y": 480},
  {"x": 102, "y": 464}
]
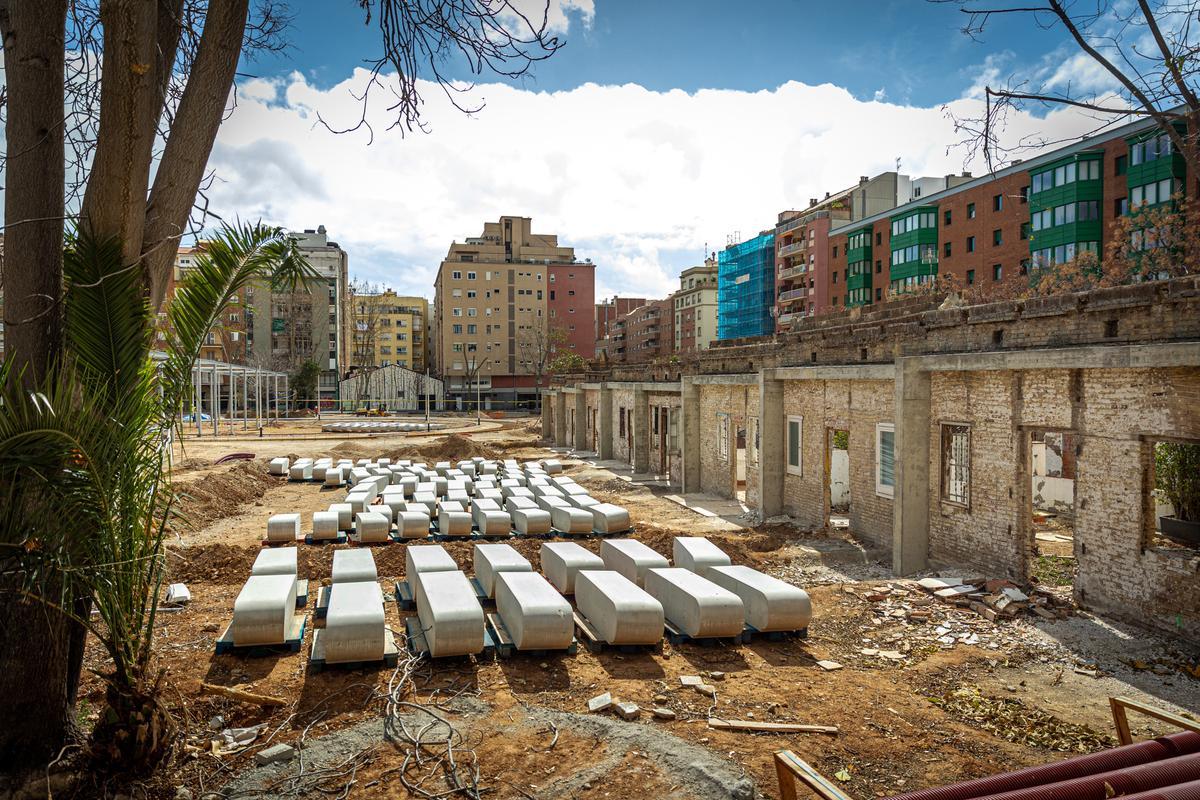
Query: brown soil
[{"x": 892, "y": 737}]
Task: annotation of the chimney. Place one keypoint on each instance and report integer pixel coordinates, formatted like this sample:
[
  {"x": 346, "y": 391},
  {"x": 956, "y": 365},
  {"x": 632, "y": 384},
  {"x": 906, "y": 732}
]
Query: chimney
[
  {"x": 812, "y": 201},
  {"x": 862, "y": 179},
  {"x": 827, "y": 195},
  {"x": 966, "y": 174}
]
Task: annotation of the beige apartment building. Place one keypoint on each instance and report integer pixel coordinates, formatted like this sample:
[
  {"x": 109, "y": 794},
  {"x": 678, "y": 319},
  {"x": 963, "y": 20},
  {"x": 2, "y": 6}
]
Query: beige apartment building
[
  {"x": 696, "y": 307},
  {"x": 390, "y": 329},
  {"x": 497, "y": 296}
]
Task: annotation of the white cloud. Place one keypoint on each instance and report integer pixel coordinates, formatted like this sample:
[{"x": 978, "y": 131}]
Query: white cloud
[
  {"x": 636, "y": 180},
  {"x": 556, "y": 13}
]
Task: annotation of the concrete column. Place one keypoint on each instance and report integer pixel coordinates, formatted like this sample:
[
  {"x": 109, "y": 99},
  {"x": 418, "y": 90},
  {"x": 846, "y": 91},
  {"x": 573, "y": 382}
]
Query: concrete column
[
  {"x": 547, "y": 403},
  {"x": 216, "y": 399},
  {"x": 579, "y": 400},
  {"x": 689, "y": 397},
  {"x": 605, "y": 422},
  {"x": 772, "y": 444},
  {"x": 910, "y": 509},
  {"x": 560, "y": 419},
  {"x": 641, "y": 431}
]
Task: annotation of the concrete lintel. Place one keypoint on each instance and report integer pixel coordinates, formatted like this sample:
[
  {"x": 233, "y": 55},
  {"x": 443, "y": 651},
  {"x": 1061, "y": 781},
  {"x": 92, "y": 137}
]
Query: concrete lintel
[
  {"x": 738, "y": 379},
  {"x": 571, "y": 390},
  {"x": 835, "y": 372},
  {"x": 644, "y": 386},
  {"x": 594, "y": 387},
  {"x": 1113, "y": 356}
]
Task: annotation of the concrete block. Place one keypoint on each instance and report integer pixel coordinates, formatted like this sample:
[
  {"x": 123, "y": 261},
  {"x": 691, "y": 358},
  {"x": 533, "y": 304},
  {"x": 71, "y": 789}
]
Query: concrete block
[
  {"x": 569, "y": 519},
  {"x": 489, "y": 519},
  {"x": 459, "y": 496},
  {"x": 600, "y": 703},
  {"x": 517, "y": 491},
  {"x": 383, "y": 461},
  {"x": 608, "y": 518},
  {"x": 631, "y": 558},
  {"x": 274, "y": 754},
  {"x": 535, "y": 614},
  {"x": 584, "y": 501},
  {"x": 427, "y": 558},
  {"x": 549, "y": 502},
  {"x": 453, "y": 519},
  {"x": 345, "y": 513},
  {"x": 485, "y": 492},
  {"x": 275, "y": 561},
  {"x": 449, "y": 612},
  {"x": 263, "y": 610},
  {"x": 301, "y": 470},
  {"x": 388, "y": 505},
  {"x": 359, "y": 501},
  {"x": 358, "y": 475},
  {"x": 546, "y": 491},
  {"x": 283, "y": 528},
  {"x": 320, "y": 468},
  {"x": 527, "y": 518},
  {"x": 694, "y": 605},
  {"x": 562, "y": 561},
  {"x": 334, "y": 476},
  {"x": 442, "y": 467},
  {"x": 373, "y": 526},
  {"x": 552, "y": 466},
  {"x": 697, "y": 554},
  {"x": 491, "y": 559},
  {"x": 627, "y": 711},
  {"x": 409, "y": 484},
  {"x": 620, "y": 612},
  {"x": 354, "y": 624},
  {"x": 770, "y": 604},
  {"x": 325, "y": 525},
  {"x": 353, "y": 566},
  {"x": 278, "y": 466},
  {"x": 412, "y": 524}
]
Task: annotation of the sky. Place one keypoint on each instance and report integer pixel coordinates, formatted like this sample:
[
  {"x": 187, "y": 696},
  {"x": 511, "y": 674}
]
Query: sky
[{"x": 660, "y": 130}]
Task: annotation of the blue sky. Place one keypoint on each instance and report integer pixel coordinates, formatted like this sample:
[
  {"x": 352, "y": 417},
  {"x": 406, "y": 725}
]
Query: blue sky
[{"x": 659, "y": 130}]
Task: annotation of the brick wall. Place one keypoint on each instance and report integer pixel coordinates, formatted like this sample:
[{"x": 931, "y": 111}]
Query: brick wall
[
  {"x": 674, "y": 455},
  {"x": 716, "y": 473},
  {"x": 622, "y": 401}
]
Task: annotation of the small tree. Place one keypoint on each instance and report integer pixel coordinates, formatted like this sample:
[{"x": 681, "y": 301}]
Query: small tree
[
  {"x": 304, "y": 380},
  {"x": 568, "y": 362},
  {"x": 1177, "y": 476},
  {"x": 538, "y": 345}
]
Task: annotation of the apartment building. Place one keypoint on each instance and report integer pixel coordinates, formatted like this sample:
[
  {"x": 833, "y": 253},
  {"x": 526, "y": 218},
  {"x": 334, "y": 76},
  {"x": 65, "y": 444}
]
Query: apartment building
[
  {"x": 1006, "y": 226},
  {"x": 746, "y": 288},
  {"x": 227, "y": 341},
  {"x": 696, "y": 307},
  {"x": 495, "y": 298},
  {"x": 390, "y": 329},
  {"x": 313, "y": 323},
  {"x": 607, "y": 314}
]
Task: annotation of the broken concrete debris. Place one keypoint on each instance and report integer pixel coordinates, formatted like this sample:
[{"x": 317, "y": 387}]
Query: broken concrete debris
[
  {"x": 663, "y": 713},
  {"x": 629, "y": 711},
  {"x": 601, "y": 702},
  {"x": 275, "y": 753}
]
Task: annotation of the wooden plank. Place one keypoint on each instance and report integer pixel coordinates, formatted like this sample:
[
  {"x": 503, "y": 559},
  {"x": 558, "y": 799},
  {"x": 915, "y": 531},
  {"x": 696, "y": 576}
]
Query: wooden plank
[
  {"x": 242, "y": 696},
  {"x": 789, "y": 768},
  {"x": 1120, "y": 704},
  {"x": 1120, "y": 721},
  {"x": 586, "y": 627},
  {"x": 768, "y": 727}
]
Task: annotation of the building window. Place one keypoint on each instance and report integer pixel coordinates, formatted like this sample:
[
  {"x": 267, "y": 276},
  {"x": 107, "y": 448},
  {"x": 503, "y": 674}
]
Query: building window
[
  {"x": 878, "y": 294},
  {"x": 672, "y": 431},
  {"x": 1024, "y": 231},
  {"x": 470, "y": 276},
  {"x": 970, "y": 277},
  {"x": 997, "y": 272},
  {"x": 456, "y": 275},
  {"x": 997, "y": 238},
  {"x": 970, "y": 244},
  {"x": 970, "y": 211},
  {"x": 723, "y": 437},
  {"x": 946, "y": 249},
  {"x": 878, "y": 238},
  {"x": 878, "y": 266},
  {"x": 885, "y": 459},
  {"x": 998, "y": 202},
  {"x": 835, "y": 274},
  {"x": 795, "y": 429},
  {"x": 1024, "y": 194},
  {"x": 956, "y": 464},
  {"x": 1120, "y": 163},
  {"x": 946, "y": 217}
]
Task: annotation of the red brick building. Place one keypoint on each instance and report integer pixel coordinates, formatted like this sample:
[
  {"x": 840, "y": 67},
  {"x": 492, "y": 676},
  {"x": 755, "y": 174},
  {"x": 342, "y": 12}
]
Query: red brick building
[
  {"x": 609, "y": 312},
  {"x": 570, "y": 304}
]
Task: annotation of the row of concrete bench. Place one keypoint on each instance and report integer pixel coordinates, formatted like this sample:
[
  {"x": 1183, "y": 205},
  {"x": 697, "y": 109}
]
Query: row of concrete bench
[
  {"x": 407, "y": 500},
  {"x": 379, "y": 426}
]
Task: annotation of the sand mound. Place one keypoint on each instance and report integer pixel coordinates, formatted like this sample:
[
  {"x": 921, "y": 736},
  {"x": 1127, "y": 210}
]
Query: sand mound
[
  {"x": 221, "y": 494},
  {"x": 454, "y": 447}
]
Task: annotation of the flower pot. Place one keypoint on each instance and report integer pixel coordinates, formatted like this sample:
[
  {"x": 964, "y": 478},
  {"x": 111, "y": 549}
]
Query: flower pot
[{"x": 1183, "y": 531}]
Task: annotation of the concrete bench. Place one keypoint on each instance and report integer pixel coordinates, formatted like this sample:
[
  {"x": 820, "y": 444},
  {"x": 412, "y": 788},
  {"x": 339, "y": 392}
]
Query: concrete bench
[
  {"x": 573, "y": 489},
  {"x": 517, "y": 491},
  {"x": 354, "y": 625},
  {"x": 552, "y": 466},
  {"x": 264, "y": 611},
  {"x": 527, "y": 518},
  {"x": 278, "y": 466},
  {"x": 696, "y": 606},
  {"x": 334, "y": 476},
  {"x": 373, "y": 526},
  {"x": 617, "y": 609},
  {"x": 608, "y": 518},
  {"x": 359, "y": 501},
  {"x": 427, "y": 558},
  {"x": 770, "y": 604},
  {"x": 408, "y": 484},
  {"x": 459, "y": 496},
  {"x": 492, "y": 559},
  {"x": 453, "y": 519},
  {"x": 631, "y": 558},
  {"x": 359, "y": 475},
  {"x": 301, "y": 471},
  {"x": 427, "y": 499},
  {"x": 567, "y": 518},
  {"x": 353, "y": 566},
  {"x": 345, "y": 513},
  {"x": 489, "y": 493},
  {"x": 275, "y": 561},
  {"x": 540, "y": 490},
  {"x": 490, "y": 519},
  {"x": 450, "y": 615},
  {"x": 584, "y": 501},
  {"x": 283, "y": 528},
  {"x": 442, "y": 467},
  {"x": 562, "y": 561},
  {"x": 537, "y": 617},
  {"x": 697, "y": 554},
  {"x": 325, "y": 525},
  {"x": 412, "y": 524}
]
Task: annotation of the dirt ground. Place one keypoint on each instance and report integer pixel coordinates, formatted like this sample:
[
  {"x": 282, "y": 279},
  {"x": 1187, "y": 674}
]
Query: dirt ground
[{"x": 1031, "y": 691}]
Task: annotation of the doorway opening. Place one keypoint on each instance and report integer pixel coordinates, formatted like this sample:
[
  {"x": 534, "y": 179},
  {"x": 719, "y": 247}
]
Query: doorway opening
[
  {"x": 837, "y": 478},
  {"x": 739, "y": 489},
  {"x": 1051, "y": 507}
]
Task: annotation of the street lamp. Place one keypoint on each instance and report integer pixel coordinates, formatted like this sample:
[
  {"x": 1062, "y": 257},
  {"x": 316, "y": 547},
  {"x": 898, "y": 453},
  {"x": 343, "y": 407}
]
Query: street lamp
[{"x": 475, "y": 378}]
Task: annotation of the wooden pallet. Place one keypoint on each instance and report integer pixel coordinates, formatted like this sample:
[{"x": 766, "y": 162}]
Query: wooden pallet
[
  {"x": 677, "y": 637},
  {"x": 751, "y": 634},
  {"x": 417, "y": 645},
  {"x": 301, "y": 592},
  {"x": 506, "y": 648},
  {"x": 593, "y": 642},
  {"x": 291, "y": 644},
  {"x": 268, "y": 543},
  {"x": 404, "y": 596},
  {"x": 317, "y": 662},
  {"x": 339, "y": 539}
]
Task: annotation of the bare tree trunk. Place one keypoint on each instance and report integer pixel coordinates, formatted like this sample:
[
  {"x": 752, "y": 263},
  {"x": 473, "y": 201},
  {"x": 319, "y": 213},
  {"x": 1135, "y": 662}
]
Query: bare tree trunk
[
  {"x": 195, "y": 128},
  {"x": 114, "y": 204},
  {"x": 35, "y": 717}
]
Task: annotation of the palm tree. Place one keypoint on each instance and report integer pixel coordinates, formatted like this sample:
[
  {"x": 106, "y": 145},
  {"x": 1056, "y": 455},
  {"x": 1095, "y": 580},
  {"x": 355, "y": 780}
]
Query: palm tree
[{"x": 85, "y": 489}]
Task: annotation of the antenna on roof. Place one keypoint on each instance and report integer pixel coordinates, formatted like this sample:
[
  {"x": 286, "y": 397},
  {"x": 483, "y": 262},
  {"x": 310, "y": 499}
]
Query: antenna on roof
[{"x": 897, "y": 163}]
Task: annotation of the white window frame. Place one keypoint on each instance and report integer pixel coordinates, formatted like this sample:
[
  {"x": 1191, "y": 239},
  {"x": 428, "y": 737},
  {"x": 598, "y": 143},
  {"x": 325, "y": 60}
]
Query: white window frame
[
  {"x": 798, "y": 467},
  {"x": 882, "y": 489}
]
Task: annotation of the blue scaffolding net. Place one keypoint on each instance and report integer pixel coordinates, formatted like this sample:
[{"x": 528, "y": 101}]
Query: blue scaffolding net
[{"x": 746, "y": 288}]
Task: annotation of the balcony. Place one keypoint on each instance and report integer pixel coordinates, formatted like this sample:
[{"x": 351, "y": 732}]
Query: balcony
[
  {"x": 786, "y": 319},
  {"x": 793, "y": 272},
  {"x": 794, "y": 247},
  {"x": 793, "y": 295}
]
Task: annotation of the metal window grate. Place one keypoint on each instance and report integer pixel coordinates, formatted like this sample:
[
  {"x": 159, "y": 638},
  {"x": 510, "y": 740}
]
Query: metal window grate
[{"x": 956, "y": 463}]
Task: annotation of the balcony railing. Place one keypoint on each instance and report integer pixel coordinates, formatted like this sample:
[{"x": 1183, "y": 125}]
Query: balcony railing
[
  {"x": 786, "y": 319},
  {"x": 793, "y": 272},
  {"x": 794, "y": 294},
  {"x": 794, "y": 247}
]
